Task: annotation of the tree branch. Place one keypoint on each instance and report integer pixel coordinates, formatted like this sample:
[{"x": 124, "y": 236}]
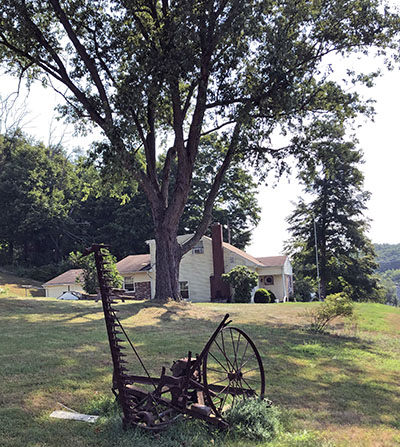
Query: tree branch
[
  {"x": 48, "y": 68},
  {"x": 227, "y": 102},
  {"x": 166, "y": 174},
  {"x": 208, "y": 206},
  {"x": 87, "y": 60},
  {"x": 227, "y": 123},
  {"x": 189, "y": 97},
  {"x": 59, "y": 73},
  {"x": 99, "y": 57},
  {"x": 66, "y": 99}
]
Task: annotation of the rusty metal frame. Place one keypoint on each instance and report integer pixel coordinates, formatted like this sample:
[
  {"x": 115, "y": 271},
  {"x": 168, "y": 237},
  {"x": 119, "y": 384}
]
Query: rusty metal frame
[{"x": 190, "y": 393}]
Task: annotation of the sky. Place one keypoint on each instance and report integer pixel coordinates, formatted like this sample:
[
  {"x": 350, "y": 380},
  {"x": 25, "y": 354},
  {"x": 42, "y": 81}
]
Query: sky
[{"x": 379, "y": 140}]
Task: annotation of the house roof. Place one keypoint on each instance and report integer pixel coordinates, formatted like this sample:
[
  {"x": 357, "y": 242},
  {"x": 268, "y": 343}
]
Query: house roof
[
  {"x": 273, "y": 261},
  {"x": 134, "y": 263},
  {"x": 242, "y": 253},
  {"x": 68, "y": 277}
]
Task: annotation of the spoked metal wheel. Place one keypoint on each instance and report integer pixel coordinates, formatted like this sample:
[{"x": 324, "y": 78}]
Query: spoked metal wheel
[{"x": 232, "y": 370}]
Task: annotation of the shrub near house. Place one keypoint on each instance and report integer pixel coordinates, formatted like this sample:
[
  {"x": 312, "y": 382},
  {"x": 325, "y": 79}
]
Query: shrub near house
[
  {"x": 243, "y": 280},
  {"x": 263, "y": 296}
]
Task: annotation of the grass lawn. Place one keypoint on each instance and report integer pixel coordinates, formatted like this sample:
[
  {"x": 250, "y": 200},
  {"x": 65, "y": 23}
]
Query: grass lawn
[{"x": 341, "y": 389}]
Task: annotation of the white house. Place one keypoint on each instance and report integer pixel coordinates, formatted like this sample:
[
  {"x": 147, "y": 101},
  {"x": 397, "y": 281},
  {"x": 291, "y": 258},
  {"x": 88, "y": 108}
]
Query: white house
[
  {"x": 200, "y": 271},
  {"x": 66, "y": 282}
]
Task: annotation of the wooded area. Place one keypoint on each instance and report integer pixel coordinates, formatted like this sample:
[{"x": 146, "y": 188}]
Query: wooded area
[{"x": 54, "y": 203}]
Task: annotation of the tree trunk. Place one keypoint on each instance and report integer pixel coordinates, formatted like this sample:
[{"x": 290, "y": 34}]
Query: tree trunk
[
  {"x": 324, "y": 225},
  {"x": 168, "y": 257}
]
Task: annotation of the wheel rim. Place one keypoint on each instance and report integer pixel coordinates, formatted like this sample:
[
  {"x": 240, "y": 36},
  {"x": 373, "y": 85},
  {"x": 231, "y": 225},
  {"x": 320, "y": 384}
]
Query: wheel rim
[{"x": 232, "y": 370}]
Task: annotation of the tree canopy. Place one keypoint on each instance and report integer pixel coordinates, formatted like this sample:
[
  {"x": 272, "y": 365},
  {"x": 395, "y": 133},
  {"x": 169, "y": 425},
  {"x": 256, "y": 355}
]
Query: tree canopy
[
  {"x": 331, "y": 216},
  {"x": 146, "y": 71}
]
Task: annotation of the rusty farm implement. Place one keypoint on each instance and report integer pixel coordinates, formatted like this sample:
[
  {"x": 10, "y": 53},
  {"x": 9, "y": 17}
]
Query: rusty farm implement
[{"x": 228, "y": 369}]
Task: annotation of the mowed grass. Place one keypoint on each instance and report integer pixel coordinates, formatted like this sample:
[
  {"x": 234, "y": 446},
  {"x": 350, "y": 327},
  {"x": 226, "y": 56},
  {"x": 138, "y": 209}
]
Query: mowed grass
[{"x": 340, "y": 389}]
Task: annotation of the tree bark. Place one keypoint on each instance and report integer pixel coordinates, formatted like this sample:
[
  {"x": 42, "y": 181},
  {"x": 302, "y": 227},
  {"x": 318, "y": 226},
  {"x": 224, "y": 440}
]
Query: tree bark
[{"x": 168, "y": 257}]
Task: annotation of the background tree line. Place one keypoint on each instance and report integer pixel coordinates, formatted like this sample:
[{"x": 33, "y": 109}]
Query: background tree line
[{"x": 54, "y": 203}]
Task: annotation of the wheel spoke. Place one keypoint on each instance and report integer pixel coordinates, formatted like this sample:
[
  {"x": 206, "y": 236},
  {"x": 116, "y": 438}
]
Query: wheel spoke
[
  {"x": 228, "y": 363},
  {"x": 217, "y": 370},
  {"x": 234, "y": 396},
  {"x": 250, "y": 370},
  {"x": 242, "y": 374},
  {"x": 215, "y": 358},
  {"x": 224, "y": 399},
  {"x": 252, "y": 380},
  {"x": 235, "y": 359},
  {"x": 219, "y": 381},
  {"x": 237, "y": 347},
  {"x": 249, "y": 387},
  {"x": 244, "y": 354},
  {"x": 224, "y": 351},
  {"x": 247, "y": 361}
]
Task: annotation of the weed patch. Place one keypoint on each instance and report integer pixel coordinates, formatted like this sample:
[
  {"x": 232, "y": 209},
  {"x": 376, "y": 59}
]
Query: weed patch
[{"x": 254, "y": 419}]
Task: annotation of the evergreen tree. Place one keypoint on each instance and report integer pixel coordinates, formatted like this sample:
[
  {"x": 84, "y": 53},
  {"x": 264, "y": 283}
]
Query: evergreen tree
[{"x": 333, "y": 183}]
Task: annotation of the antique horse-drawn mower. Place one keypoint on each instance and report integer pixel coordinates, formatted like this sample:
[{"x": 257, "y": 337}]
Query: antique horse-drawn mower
[{"x": 228, "y": 369}]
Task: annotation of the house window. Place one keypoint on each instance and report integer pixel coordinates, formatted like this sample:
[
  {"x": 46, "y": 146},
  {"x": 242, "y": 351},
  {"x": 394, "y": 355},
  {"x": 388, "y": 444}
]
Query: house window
[
  {"x": 129, "y": 284},
  {"x": 268, "y": 280},
  {"x": 198, "y": 249},
  {"x": 184, "y": 289}
]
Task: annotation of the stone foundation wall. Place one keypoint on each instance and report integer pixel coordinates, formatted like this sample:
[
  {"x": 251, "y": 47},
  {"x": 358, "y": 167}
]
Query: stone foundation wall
[{"x": 142, "y": 290}]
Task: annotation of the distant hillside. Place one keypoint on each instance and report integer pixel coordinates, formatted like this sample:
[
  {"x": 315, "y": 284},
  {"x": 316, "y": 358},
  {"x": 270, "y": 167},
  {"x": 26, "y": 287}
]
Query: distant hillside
[{"x": 388, "y": 256}]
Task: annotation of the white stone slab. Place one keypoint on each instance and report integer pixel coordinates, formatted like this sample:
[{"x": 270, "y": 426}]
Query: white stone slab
[{"x": 60, "y": 414}]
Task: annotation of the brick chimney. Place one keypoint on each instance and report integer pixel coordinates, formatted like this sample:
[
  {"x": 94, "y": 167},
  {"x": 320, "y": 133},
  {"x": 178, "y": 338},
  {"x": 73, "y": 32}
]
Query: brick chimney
[{"x": 220, "y": 290}]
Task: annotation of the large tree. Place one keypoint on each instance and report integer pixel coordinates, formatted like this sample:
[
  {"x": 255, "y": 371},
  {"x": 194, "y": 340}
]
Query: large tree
[
  {"x": 142, "y": 70},
  {"x": 125, "y": 221},
  {"x": 330, "y": 215}
]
